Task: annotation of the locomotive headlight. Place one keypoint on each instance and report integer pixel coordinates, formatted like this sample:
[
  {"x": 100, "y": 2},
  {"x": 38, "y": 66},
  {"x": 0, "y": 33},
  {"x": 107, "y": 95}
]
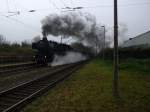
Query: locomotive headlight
[{"x": 45, "y": 56}]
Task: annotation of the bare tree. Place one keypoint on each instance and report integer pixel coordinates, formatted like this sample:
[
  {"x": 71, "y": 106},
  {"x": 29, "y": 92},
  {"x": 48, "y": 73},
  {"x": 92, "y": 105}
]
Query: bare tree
[
  {"x": 26, "y": 43},
  {"x": 2, "y": 39}
]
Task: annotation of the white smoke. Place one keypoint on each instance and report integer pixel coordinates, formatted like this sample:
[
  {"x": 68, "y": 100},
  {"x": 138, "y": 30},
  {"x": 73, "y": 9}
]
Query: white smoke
[
  {"x": 122, "y": 31},
  {"x": 122, "y": 34},
  {"x": 70, "y": 57}
]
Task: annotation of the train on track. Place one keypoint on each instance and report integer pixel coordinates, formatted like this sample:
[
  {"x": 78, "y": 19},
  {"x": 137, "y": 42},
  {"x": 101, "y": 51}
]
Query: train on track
[{"x": 46, "y": 50}]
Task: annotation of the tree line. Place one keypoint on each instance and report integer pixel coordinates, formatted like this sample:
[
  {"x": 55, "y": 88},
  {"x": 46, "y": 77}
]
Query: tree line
[{"x": 8, "y": 48}]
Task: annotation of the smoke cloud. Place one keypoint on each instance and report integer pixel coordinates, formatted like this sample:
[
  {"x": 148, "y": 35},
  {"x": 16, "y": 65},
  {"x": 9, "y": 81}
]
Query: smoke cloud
[
  {"x": 83, "y": 28},
  {"x": 80, "y": 26},
  {"x": 122, "y": 31},
  {"x": 70, "y": 57}
]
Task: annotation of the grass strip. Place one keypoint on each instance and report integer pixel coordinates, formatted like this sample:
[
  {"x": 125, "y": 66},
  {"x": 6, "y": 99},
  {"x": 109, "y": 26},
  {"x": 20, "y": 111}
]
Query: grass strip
[{"x": 90, "y": 90}]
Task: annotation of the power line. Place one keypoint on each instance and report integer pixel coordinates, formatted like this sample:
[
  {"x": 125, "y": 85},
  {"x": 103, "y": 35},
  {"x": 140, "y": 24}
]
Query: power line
[
  {"x": 63, "y": 3},
  {"x": 21, "y": 6},
  {"x": 14, "y": 14},
  {"x": 121, "y": 5},
  {"x": 71, "y": 1},
  {"x": 15, "y": 5},
  {"x": 134, "y": 4},
  {"x": 54, "y": 5},
  {"x": 99, "y": 6},
  {"x": 7, "y": 5},
  {"x": 18, "y": 21},
  {"x": 29, "y": 26}
]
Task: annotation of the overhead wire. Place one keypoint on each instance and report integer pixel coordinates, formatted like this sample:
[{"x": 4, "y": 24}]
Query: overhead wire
[
  {"x": 15, "y": 6},
  {"x": 98, "y": 6},
  {"x": 12, "y": 13},
  {"x": 18, "y": 21},
  {"x": 21, "y": 6},
  {"x": 120, "y": 5},
  {"x": 54, "y": 5},
  {"x": 72, "y": 3},
  {"x": 101, "y": 6},
  {"x": 63, "y": 3},
  {"x": 29, "y": 26},
  {"x": 7, "y": 5}
]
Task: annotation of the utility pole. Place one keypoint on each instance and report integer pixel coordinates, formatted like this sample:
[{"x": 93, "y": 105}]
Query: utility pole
[
  {"x": 115, "y": 77},
  {"x": 103, "y": 42}
]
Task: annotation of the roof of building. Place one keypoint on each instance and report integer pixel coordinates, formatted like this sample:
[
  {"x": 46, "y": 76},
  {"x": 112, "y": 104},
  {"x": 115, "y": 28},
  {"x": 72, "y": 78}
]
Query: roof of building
[{"x": 142, "y": 39}]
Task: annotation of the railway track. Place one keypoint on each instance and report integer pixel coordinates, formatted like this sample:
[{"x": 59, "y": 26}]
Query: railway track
[
  {"x": 15, "y": 98},
  {"x": 17, "y": 68}
]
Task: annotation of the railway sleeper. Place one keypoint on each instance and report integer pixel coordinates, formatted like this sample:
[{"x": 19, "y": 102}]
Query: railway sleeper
[
  {"x": 41, "y": 84},
  {"x": 18, "y": 97},
  {"x": 33, "y": 88},
  {"x": 36, "y": 87},
  {"x": 3, "y": 107},
  {"x": 20, "y": 93},
  {"x": 17, "y": 68},
  {"x": 4, "y": 99},
  {"x": 5, "y": 104},
  {"x": 27, "y": 91}
]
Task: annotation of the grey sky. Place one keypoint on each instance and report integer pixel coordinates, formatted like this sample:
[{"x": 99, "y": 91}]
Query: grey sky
[{"x": 26, "y": 25}]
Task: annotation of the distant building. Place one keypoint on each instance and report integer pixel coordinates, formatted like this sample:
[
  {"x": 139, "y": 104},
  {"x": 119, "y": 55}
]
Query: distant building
[{"x": 142, "y": 40}]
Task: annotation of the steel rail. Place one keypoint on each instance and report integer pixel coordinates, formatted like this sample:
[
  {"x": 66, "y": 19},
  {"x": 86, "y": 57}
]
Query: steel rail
[
  {"x": 17, "y": 68},
  {"x": 15, "y": 98},
  {"x": 5, "y": 67}
]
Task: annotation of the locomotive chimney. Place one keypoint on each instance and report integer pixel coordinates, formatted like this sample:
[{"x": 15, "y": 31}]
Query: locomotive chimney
[{"x": 44, "y": 35}]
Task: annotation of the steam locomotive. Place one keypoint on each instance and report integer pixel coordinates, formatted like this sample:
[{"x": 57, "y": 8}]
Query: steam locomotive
[{"x": 45, "y": 50}]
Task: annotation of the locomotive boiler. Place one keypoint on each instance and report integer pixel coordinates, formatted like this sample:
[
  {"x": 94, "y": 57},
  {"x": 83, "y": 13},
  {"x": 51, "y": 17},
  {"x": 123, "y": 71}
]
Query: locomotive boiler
[{"x": 46, "y": 50}]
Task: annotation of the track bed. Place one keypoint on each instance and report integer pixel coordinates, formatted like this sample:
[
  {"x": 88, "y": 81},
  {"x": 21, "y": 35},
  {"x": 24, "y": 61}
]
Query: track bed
[{"x": 14, "y": 98}]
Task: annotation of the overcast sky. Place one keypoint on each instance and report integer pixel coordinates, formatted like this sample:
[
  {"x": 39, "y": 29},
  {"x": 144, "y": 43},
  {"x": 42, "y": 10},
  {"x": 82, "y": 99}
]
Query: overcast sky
[{"x": 26, "y": 25}]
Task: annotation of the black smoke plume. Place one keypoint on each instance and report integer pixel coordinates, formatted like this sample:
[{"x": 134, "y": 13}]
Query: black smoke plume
[{"x": 80, "y": 26}]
